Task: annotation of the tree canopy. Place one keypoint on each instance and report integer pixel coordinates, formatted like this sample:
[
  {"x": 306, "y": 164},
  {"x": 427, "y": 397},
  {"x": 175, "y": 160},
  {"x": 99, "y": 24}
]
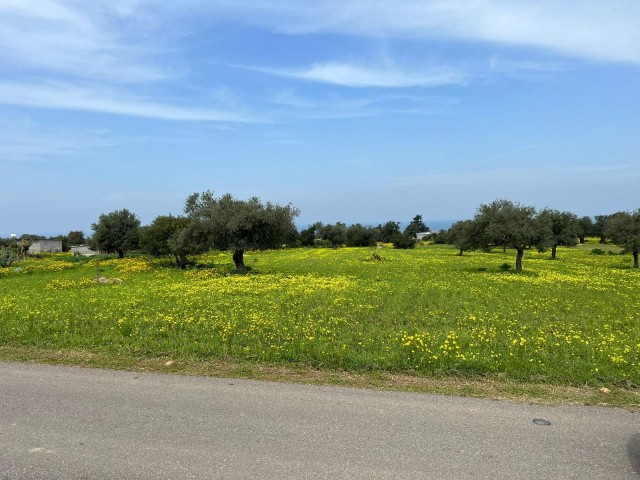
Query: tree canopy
[
  {"x": 416, "y": 226},
  {"x": 464, "y": 236},
  {"x": 506, "y": 223},
  {"x": 75, "y": 237},
  {"x": 624, "y": 229},
  {"x": 586, "y": 227},
  {"x": 155, "y": 239},
  {"x": 388, "y": 231},
  {"x": 564, "y": 229},
  {"x": 227, "y": 223},
  {"x": 118, "y": 231},
  {"x": 334, "y": 234}
]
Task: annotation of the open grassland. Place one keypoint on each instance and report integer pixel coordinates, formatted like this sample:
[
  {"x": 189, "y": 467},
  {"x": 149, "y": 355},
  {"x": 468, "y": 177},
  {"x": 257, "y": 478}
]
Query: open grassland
[{"x": 425, "y": 312}]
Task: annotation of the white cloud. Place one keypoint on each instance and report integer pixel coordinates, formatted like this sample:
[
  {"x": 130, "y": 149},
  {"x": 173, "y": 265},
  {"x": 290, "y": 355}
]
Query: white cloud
[
  {"x": 72, "y": 97},
  {"x": 89, "y": 42},
  {"x": 589, "y": 29},
  {"x": 348, "y": 75}
]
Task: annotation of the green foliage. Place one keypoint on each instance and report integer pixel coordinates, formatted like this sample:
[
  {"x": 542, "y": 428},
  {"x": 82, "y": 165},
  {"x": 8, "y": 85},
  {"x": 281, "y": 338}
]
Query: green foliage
[
  {"x": 564, "y": 229},
  {"x": 307, "y": 236},
  {"x": 388, "y": 231},
  {"x": 416, "y": 226},
  {"x": 8, "y": 256},
  {"x": 161, "y": 238},
  {"x": 228, "y": 223},
  {"x": 599, "y": 227},
  {"x": 118, "y": 231},
  {"x": 75, "y": 237},
  {"x": 335, "y": 235},
  {"x": 360, "y": 236},
  {"x": 439, "y": 238},
  {"x": 464, "y": 235},
  {"x": 403, "y": 241},
  {"x": 597, "y": 251},
  {"x": 508, "y": 224},
  {"x": 585, "y": 225},
  {"x": 624, "y": 229}
]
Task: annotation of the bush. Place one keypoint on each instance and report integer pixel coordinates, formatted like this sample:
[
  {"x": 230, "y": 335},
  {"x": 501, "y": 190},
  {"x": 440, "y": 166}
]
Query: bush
[
  {"x": 597, "y": 251},
  {"x": 7, "y": 257},
  {"x": 403, "y": 241}
]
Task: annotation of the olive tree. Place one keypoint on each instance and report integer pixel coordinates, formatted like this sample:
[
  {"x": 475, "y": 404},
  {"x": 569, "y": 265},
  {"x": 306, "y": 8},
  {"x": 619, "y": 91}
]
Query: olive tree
[
  {"x": 155, "y": 238},
  {"x": 464, "y": 236},
  {"x": 564, "y": 229},
  {"x": 75, "y": 237},
  {"x": 623, "y": 228},
  {"x": 388, "y": 231},
  {"x": 505, "y": 223},
  {"x": 599, "y": 227},
  {"x": 307, "y": 236},
  {"x": 586, "y": 228},
  {"x": 118, "y": 231},
  {"x": 335, "y": 234},
  {"x": 360, "y": 236},
  {"x": 227, "y": 223}
]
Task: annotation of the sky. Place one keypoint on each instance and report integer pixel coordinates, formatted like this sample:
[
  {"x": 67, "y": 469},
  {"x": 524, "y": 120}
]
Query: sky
[{"x": 358, "y": 111}]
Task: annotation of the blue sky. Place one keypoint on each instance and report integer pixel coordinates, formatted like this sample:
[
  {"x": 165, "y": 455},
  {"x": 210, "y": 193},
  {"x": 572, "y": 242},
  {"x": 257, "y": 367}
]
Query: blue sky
[{"x": 358, "y": 111}]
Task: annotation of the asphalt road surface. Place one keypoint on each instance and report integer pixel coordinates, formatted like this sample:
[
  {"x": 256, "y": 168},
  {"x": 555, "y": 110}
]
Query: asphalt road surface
[{"x": 74, "y": 423}]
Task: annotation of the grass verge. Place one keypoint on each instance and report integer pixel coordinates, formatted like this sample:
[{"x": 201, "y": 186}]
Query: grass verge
[{"x": 493, "y": 387}]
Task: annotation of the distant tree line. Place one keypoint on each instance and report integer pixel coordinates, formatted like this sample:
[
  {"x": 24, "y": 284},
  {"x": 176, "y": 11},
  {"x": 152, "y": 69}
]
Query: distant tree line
[
  {"x": 506, "y": 224},
  {"x": 227, "y": 223},
  {"x": 358, "y": 235}
]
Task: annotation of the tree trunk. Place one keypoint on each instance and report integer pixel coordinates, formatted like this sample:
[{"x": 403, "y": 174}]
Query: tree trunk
[
  {"x": 504, "y": 247},
  {"x": 603, "y": 239},
  {"x": 635, "y": 259},
  {"x": 553, "y": 252},
  {"x": 181, "y": 261},
  {"x": 519, "y": 259},
  {"x": 581, "y": 237},
  {"x": 238, "y": 259},
  {"x": 120, "y": 253},
  {"x": 460, "y": 253}
]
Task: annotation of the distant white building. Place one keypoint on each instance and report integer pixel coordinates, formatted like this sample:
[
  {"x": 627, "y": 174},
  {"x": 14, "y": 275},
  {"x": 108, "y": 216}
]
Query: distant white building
[
  {"x": 45, "y": 246},
  {"x": 425, "y": 235},
  {"x": 82, "y": 250}
]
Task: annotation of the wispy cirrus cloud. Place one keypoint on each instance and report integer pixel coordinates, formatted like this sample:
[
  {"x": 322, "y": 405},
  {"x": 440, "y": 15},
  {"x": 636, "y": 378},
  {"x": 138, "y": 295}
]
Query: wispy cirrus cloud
[
  {"x": 351, "y": 75},
  {"x": 87, "y": 42},
  {"x": 103, "y": 100},
  {"x": 590, "y": 29}
]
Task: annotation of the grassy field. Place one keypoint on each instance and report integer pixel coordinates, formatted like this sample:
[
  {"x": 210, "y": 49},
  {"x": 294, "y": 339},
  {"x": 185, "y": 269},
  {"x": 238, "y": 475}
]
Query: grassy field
[{"x": 426, "y": 313}]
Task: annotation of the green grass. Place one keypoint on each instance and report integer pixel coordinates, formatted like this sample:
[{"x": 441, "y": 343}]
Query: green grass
[{"x": 426, "y": 313}]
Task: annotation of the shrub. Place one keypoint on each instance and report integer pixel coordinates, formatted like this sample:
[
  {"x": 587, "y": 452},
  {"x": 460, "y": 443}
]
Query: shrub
[
  {"x": 7, "y": 257},
  {"x": 404, "y": 241},
  {"x": 597, "y": 251}
]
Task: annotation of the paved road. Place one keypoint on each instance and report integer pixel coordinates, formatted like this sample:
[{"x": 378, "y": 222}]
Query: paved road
[{"x": 73, "y": 423}]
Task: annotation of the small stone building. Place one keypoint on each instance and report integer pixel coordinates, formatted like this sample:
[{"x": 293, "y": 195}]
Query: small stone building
[{"x": 45, "y": 246}]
